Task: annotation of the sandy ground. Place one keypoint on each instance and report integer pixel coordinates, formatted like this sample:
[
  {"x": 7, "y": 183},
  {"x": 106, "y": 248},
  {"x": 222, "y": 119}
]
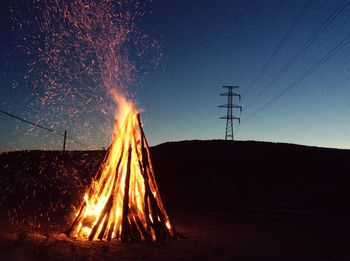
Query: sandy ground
[{"x": 203, "y": 236}]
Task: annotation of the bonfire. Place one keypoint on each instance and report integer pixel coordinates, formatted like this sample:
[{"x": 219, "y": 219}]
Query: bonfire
[
  {"x": 85, "y": 49},
  {"x": 123, "y": 201}
]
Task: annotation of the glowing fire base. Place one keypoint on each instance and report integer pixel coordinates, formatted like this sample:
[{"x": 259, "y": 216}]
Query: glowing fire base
[{"x": 123, "y": 201}]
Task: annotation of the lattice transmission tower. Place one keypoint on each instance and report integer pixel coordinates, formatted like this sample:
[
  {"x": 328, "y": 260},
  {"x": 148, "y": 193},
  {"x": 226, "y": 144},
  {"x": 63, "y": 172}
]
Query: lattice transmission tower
[{"x": 230, "y": 117}]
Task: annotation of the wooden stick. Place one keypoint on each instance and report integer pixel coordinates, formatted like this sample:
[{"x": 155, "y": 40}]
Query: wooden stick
[
  {"x": 105, "y": 222},
  {"x": 157, "y": 225},
  {"x": 156, "y": 205},
  {"x": 145, "y": 233},
  {"x": 113, "y": 193},
  {"x": 135, "y": 231},
  {"x": 162, "y": 212},
  {"x": 102, "y": 215},
  {"x": 110, "y": 231},
  {"x": 73, "y": 229},
  {"x": 124, "y": 234},
  {"x": 144, "y": 173}
]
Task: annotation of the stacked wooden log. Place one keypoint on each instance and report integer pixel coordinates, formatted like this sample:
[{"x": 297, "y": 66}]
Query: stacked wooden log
[{"x": 151, "y": 222}]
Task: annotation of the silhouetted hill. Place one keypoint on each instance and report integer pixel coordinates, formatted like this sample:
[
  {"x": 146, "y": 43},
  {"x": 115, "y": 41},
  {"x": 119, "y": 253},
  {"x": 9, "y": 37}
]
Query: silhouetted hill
[
  {"x": 251, "y": 175},
  {"x": 236, "y": 177}
]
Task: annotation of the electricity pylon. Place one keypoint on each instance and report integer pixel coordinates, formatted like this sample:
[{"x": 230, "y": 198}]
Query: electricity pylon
[{"x": 230, "y": 106}]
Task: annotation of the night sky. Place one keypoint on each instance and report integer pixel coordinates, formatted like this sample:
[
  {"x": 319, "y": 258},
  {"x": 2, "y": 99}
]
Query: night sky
[{"x": 206, "y": 44}]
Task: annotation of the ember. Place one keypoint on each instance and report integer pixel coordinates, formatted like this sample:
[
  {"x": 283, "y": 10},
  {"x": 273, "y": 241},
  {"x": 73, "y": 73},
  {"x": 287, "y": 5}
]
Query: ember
[{"x": 123, "y": 201}]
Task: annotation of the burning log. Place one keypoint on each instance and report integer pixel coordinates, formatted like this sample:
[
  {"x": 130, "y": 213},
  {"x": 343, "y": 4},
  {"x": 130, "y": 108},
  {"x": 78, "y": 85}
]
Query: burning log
[{"x": 123, "y": 201}]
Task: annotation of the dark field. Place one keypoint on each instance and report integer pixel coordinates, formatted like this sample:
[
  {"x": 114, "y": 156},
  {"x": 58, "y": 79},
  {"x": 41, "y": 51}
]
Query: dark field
[{"x": 228, "y": 200}]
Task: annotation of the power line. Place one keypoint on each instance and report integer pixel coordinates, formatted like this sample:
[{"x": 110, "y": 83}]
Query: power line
[
  {"x": 31, "y": 123},
  {"x": 328, "y": 21},
  {"x": 44, "y": 128},
  {"x": 279, "y": 45},
  {"x": 297, "y": 81}
]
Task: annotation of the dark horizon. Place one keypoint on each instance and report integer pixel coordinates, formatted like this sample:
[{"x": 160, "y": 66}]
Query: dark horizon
[{"x": 205, "y": 141}]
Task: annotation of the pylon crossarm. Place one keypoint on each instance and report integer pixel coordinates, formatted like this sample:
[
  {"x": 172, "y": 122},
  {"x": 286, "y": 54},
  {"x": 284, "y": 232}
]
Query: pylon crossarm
[{"x": 230, "y": 86}]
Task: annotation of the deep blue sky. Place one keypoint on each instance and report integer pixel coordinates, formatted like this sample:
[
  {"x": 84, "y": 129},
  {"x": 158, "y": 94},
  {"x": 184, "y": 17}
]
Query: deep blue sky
[{"x": 207, "y": 44}]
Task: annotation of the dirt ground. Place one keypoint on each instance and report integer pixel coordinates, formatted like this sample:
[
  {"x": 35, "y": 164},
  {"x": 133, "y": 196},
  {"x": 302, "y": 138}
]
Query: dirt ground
[{"x": 202, "y": 236}]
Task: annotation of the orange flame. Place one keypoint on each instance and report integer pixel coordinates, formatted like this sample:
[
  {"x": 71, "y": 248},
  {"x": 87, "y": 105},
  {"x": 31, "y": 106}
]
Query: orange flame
[{"x": 123, "y": 200}]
